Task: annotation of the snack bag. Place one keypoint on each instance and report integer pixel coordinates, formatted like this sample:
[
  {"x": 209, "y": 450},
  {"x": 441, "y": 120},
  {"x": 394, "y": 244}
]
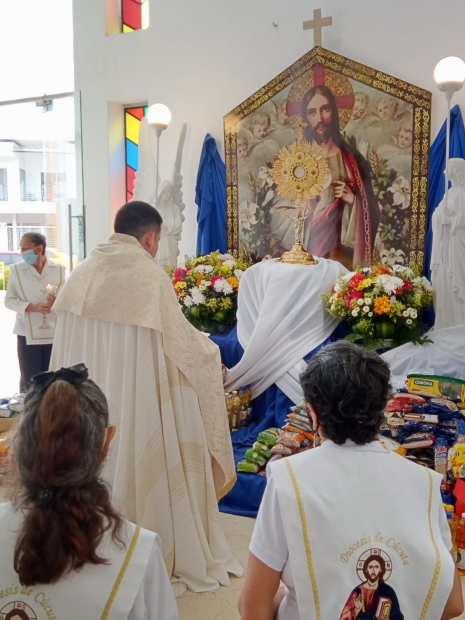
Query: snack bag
[
  {"x": 397, "y": 406},
  {"x": 291, "y": 439},
  {"x": 409, "y": 399},
  {"x": 282, "y": 450},
  {"x": 246, "y": 467},
  {"x": 270, "y": 436},
  {"x": 262, "y": 448},
  {"x": 300, "y": 418},
  {"x": 434, "y": 385},
  {"x": 292, "y": 428},
  {"x": 255, "y": 457},
  {"x": 440, "y": 456}
]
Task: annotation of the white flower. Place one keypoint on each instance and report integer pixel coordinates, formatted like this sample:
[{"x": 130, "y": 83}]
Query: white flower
[
  {"x": 370, "y": 314},
  {"x": 390, "y": 284},
  {"x": 401, "y": 193},
  {"x": 238, "y": 273},
  {"x": 405, "y": 271},
  {"x": 225, "y": 256},
  {"x": 208, "y": 268},
  {"x": 409, "y": 321},
  {"x": 227, "y": 289},
  {"x": 204, "y": 284},
  {"x": 337, "y": 288},
  {"x": 413, "y": 313},
  {"x": 360, "y": 302},
  {"x": 349, "y": 276},
  {"x": 393, "y": 299},
  {"x": 367, "y": 301},
  {"x": 355, "y": 312},
  {"x": 406, "y": 313},
  {"x": 247, "y": 219},
  {"x": 333, "y": 307},
  {"x": 188, "y": 301},
  {"x": 229, "y": 263},
  {"x": 423, "y": 282},
  {"x": 198, "y": 298},
  {"x": 392, "y": 256},
  {"x": 366, "y": 309},
  {"x": 200, "y": 269},
  {"x": 218, "y": 286}
]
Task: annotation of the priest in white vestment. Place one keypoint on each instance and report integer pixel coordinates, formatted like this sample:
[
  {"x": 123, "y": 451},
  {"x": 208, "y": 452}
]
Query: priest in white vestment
[{"x": 172, "y": 459}]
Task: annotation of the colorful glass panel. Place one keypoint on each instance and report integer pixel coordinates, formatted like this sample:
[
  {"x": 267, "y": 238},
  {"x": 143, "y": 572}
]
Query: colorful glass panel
[
  {"x": 134, "y": 15},
  {"x": 132, "y": 119}
]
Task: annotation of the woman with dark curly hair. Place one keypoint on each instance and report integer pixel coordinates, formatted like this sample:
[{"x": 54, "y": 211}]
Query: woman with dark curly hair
[
  {"x": 65, "y": 550},
  {"x": 353, "y": 531}
]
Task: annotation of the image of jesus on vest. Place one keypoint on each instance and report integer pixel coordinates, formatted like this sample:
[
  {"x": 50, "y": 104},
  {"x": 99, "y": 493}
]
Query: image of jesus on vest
[{"x": 373, "y": 599}]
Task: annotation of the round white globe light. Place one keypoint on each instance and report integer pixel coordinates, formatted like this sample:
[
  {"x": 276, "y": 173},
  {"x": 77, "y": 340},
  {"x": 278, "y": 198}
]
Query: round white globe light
[
  {"x": 159, "y": 115},
  {"x": 449, "y": 73}
]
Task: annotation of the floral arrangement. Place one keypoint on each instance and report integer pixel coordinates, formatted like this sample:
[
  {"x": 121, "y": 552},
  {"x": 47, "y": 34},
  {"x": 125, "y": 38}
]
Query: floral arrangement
[
  {"x": 382, "y": 303},
  {"x": 207, "y": 287}
]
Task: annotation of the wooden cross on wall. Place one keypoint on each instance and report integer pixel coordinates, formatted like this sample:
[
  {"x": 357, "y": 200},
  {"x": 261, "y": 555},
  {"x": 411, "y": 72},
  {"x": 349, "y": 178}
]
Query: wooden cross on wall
[{"x": 317, "y": 24}]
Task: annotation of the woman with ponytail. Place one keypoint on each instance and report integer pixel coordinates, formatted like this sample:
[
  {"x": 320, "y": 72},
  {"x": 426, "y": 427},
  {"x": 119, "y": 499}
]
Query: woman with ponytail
[{"x": 65, "y": 550}]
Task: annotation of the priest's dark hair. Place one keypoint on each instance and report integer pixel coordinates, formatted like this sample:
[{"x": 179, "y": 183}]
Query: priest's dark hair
[
  {"x": 137, "y": 218},
  {"x": 58, "y": 458},
  {"x": 348, "y": 388}
]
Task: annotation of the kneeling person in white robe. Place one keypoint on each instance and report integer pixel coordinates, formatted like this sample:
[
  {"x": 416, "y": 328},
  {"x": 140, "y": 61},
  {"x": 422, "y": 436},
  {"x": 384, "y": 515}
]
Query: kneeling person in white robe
[
  {"x": 66, "y": 552},
  {"x": 173, "y": 457}
]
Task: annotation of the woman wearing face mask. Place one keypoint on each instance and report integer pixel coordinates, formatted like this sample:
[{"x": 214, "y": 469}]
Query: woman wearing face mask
[{"x": 31, "y": 292}]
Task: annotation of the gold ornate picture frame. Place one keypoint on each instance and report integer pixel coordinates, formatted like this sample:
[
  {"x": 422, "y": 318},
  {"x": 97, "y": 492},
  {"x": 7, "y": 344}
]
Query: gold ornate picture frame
[{"x": 383, "y": 133}]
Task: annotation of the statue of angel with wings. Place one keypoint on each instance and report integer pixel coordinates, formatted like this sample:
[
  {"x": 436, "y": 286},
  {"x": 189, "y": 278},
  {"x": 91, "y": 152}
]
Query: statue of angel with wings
[{"x": 169, "y": 202}]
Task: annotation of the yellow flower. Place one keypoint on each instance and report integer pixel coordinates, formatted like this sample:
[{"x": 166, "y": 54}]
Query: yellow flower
[
  {"x": 200, "y": 278},
  {"x": 212, "y": 304},
  {"x": 382, "y": 305},
  {"x": 226, "y": 303},
  {"x": 364, "y": 284},
  {"x": 234, "y": 282},
  {"x": 179, "y": 286}
]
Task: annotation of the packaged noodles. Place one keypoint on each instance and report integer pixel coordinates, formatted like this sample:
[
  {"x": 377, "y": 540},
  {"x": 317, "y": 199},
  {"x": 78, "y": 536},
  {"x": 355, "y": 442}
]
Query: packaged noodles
[{"x": 434, "y": 385}]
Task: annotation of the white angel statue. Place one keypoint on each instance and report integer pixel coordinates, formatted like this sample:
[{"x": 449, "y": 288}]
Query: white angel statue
[
  {"x": 169, "y": 203},
  {"x": 448, "y": 255}
]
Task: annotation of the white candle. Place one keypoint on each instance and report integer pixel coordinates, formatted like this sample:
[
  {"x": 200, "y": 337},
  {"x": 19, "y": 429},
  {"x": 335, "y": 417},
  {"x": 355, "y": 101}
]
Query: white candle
[{"x": 49, "y": 288}]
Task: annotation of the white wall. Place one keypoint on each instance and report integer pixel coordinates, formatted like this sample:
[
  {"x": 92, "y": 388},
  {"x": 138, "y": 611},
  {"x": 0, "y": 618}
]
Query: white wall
[{"x": 204, "y": 57}]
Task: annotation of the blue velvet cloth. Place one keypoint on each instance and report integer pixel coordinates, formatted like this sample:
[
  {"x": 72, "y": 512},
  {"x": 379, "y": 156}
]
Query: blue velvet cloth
[
  {"x": 437, "y": 180},
  {"x": 270, "y": 409},
  {"x": 210, "y": 197}
]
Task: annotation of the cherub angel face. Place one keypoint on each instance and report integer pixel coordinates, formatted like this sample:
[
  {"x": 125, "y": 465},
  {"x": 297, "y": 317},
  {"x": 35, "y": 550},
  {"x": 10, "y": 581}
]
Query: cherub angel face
[
  {"x": 404, "y": 139},
  {"x": 242, "y": 149},
  {"x": 261, "y": 126},
  {"x": 360, "y": 105},
  {"x": 387, "y": 108}
]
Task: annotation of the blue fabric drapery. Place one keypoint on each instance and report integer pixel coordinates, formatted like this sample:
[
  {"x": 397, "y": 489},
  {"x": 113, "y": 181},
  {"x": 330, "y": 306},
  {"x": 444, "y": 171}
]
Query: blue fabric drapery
[
  {"x": 437, "y": 180},
  {"x": 210, "y": 198},
  {"x": 269, "y": 410}
]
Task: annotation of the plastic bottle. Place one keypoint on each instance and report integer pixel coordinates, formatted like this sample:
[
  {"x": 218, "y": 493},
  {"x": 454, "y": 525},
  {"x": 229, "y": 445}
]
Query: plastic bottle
[
  {"x": 243, "y": 397},
  {"x": 452, "y": 519},
  {"x": 460, "y": 542}
]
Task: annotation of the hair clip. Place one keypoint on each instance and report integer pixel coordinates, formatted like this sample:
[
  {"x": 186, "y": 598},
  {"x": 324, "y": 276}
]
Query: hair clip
[
  {"x": 46, "y": 496},
  {"x": 74, "y": 375}
]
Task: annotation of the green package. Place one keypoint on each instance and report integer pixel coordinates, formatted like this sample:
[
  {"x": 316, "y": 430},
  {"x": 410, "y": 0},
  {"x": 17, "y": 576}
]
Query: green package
[
  {"x": 270, "y": 436},
  {"x": 247, "y": 468},
  {"x": 255, "y": 457}
]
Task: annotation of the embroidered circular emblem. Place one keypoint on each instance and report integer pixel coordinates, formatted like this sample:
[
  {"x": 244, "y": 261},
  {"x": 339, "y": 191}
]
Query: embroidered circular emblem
[
  {"x": 375, "y": 563},
  {"x": 18, "y": 610}
]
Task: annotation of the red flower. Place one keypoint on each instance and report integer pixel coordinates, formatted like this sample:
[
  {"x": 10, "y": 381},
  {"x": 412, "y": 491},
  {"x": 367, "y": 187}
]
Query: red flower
[
  {"x": 351, "y": 296},
  {"x": 384, "y": 270},
  {"x": 355, "y": 281},
  {"x": 179, "y": 272},
  {"x": 215, "y": 279}
]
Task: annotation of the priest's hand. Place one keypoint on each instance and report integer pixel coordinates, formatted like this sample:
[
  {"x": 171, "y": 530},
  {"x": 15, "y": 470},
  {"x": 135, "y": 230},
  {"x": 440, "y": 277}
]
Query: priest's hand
[
  {"x": 42, "y": 308},
  {"x": 51, "y": 299},
  {"x": 342, "y": 190}
]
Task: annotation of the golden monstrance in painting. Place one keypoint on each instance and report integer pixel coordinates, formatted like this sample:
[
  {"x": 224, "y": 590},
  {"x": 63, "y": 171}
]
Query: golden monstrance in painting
[{"x": 373, "y": 130}]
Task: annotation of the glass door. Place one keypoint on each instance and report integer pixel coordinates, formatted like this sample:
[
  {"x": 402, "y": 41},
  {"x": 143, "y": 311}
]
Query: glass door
[{"x": 41, "y": 187}]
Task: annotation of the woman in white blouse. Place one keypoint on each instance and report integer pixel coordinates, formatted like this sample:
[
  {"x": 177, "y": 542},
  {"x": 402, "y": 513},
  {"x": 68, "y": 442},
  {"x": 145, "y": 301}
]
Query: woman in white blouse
[
  {"x": 32, "y": 288},
  {"x": 66, "y": 552},
  {"x": 353, "y": 531}
]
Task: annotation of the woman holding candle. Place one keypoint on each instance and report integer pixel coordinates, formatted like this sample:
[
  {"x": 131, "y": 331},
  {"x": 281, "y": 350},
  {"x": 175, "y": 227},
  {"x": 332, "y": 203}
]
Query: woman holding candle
[{"x": 31, "y": 292}]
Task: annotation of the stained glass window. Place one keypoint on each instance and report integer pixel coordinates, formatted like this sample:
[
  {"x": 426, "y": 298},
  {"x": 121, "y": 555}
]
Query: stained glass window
[
  {"x": 134, "y": 15},
  {"x": 132, "y": 119}
]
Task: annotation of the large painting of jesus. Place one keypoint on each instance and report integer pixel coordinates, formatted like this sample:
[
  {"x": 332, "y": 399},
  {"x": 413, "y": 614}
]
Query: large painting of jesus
[{"x": 373, "y": 131}]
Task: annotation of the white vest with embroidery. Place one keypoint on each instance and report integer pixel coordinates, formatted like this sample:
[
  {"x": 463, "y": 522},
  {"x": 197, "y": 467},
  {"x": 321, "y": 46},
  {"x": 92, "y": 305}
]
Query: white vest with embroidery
[
  {"x": 362, "y": 528},
  {"x": 105, "y": 592},
  {"x": 40, "y": 329}
]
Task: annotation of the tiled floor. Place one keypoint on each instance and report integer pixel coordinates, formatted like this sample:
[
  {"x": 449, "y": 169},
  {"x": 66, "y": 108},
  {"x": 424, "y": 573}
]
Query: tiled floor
[{"x": 222, "y": 603}]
